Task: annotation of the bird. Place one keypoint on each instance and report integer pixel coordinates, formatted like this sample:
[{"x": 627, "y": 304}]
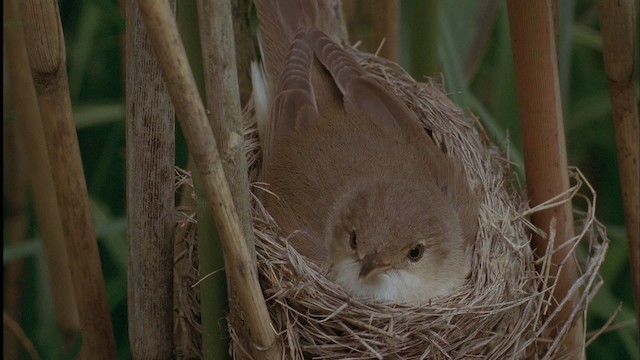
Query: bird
[{"x": 352, "y": 178}]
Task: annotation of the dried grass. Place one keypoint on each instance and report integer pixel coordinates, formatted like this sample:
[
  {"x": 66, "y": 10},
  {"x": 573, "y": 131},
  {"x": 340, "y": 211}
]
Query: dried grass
[{"x": 502, "y": 311}]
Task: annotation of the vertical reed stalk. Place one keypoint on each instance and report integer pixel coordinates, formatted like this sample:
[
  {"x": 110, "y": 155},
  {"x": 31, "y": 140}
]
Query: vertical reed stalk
[
  {"x": 245, "y": 50},
  {"x": 14, "y": 190},
  {"x": 45, "y": 45},
  {"x": 482, "y": 31},
  {"x": 39, "y": 171},
  {"x": 385, "y": 16},
  {"x": 357, "y": 15},
  {"x": 164, "y": 37},
  {"x": 619, "y": 42},
  {"x": 150, "y": 141},
  {"x": 213, "y": 289},
  {"x": 540, "y": 108},
  {"x": 223, "y": 103},
  {"x": 221, "y": 84},
  {"x": 423, "y": 17}
]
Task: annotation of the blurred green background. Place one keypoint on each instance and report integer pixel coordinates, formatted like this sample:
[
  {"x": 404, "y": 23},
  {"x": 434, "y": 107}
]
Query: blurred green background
[{"x": 478, "y": 74}]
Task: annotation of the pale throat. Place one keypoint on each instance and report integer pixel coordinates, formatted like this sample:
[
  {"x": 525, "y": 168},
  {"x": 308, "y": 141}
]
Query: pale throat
[{"x": 393, "y": 284}]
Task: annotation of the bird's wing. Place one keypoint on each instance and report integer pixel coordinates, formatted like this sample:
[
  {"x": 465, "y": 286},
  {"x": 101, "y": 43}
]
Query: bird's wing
[
  {"x": 362, "y": 94},
  {"x": 280, "y": 21},
  {"x": 294, "y": 104}
]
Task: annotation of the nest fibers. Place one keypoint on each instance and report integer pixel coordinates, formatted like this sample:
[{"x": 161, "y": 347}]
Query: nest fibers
[{"x": 503, "y": 310}]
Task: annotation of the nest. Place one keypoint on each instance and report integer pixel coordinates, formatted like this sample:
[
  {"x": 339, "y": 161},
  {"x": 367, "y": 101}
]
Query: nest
[{"x": 503, "y": 311}]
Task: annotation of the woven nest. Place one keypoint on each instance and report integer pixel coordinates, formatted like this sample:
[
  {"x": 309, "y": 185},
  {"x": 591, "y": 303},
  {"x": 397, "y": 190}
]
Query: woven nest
[{"x": 503, "y": 310}]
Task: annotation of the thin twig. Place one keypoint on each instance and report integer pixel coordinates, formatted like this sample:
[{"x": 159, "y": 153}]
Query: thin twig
[{"x": 15, "y": 328}]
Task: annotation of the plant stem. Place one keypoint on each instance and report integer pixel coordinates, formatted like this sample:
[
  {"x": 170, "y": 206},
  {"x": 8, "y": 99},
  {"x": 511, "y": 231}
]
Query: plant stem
[
  {"x": 385, "y": 16},
  {"x": 619, "y": 42},
  {"x": 150, "y": 160},
  {"x": 540, "y": 108},
  {"x": 45, "y": 45},
  {"x": 170, "y": 53},
  {"x": 31, "y": 132}
]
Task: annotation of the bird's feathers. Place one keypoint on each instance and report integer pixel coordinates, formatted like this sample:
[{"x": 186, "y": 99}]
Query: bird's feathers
[
  {"x": 280, "y": 20},
  {"x": 328, "y": 128}
]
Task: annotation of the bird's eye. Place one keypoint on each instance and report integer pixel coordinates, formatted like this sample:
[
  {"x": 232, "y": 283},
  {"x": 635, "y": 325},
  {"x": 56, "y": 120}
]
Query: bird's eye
[
  {"x": 353, "y": 239},
  {"x": 415, "y": 253}
]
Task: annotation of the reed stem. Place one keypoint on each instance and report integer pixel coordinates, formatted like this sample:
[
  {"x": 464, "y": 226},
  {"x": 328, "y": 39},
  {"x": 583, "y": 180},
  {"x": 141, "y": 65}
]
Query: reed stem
[
  {"x": 45, "y": 46},
  {"x": 619, "y": 42},
  {"x": 170, "y": 53},
  {"x": 533, "y": 41}
]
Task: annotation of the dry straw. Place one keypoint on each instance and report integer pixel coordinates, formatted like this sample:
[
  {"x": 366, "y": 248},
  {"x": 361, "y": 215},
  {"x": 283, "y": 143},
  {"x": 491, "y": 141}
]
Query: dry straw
[{"x": 500, "y": 313}]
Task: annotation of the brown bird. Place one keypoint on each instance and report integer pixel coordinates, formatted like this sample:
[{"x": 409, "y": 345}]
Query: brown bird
[{"x": 352, "y": 177}]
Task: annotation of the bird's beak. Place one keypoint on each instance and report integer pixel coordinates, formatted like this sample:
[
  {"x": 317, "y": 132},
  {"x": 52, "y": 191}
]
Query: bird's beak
[{"x": 371, "y": 265}]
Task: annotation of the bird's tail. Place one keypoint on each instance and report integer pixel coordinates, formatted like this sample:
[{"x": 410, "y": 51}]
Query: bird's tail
[{"x": 279, "y": 20}]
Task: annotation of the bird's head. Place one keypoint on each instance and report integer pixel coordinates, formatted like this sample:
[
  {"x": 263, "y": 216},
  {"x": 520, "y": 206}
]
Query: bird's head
[{"x": 396, "y": 241}]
